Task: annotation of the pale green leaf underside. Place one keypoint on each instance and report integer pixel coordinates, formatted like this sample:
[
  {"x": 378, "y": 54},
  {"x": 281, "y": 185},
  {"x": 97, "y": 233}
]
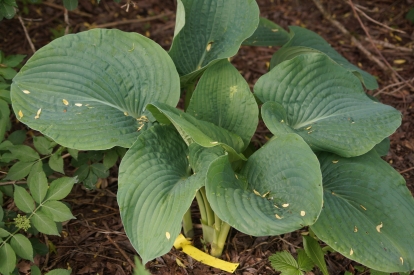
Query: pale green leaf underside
[
  {"x": 368, "y": 213},
  {"x": 223, "y": 24},
  {"x": 223, "y": 97},
  {"x": 192, "y": 129},
  {"x": 155, "y": 190},
  {"x": 307, "y": 38},
  {"x": 314, "y": 251},
  {"x": 22, "y": 246},
  {"x": 267, "y": 34},
  {"x": 7, "y": 259},
  {"x": 249, "y": 202},
  {"x": 285, "y": 263},
  {"x": 91, "y": 88},
  {"x": 329, "y": 110}
]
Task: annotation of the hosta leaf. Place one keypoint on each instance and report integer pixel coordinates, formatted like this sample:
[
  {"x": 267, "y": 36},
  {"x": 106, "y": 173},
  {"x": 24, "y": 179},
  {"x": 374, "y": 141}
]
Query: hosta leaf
[
  {"x": 223, "y": 97},
  {"x": 38, "y": 185},
  {"x": 60, "y": 188},
  {"x": 383, "y": 147},
  {"x": 23, "y": 199},
  {"x": 7, "y": 259},
  {"x": 155, "y": 190},
  {"x": 267, "y": 34},
  {"x": 314, "y": 251},
  {"x": 22, "y": 246},
  {"x": 58, "y": 211},
  {"x": 212, "y": 30},
  {"x": 329, "y": 110},
  {"x": 262, "y": 201},
  {"x": 285, "y": 263},
  {"x": 306, "y": 38},
  {"x": 88, "y": 90},
  {"x": 379, "y": 211},
  {"x": 192, "y": 129},
  {"x": 43, "y": 223}
]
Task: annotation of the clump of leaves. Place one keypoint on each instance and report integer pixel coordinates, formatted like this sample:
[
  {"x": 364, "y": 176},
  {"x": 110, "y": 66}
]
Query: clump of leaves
[
  {"x": 7, "y": 9},
  {"x": 105, "y": 88}
]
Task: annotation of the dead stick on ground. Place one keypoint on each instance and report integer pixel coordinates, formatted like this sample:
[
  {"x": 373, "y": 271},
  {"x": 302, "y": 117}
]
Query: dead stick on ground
[
  {"x": 27, "y": 34},
  {"x": 113, "y": 24},
  {"x": 376, "y": 49},
  {"x": 376, "y": 22},
  {"x": 63, "y": 8},
  {"x": 353, "y": 39},
  {"x": 66, "y": 17},
  {"x": 121, "y": 250}
]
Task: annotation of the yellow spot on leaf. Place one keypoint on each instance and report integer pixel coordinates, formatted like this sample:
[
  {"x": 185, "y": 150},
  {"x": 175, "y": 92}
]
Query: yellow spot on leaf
[
  {"x": 310, "y": 127},
  {"x": 257, "y": 193},
  {"x": 233, "y": 89},
  {"x": 38, "y": 113},
  {"x": 278, "y": 217},
  {"x": 275, "y": 206},
  {"x": 334, "y": 161},
  {"x": 401, "y": 260},
  {"x": 275, "y": 30},
  {"x": 26, "y": 92},
  {"x": 65, "y": 102},
  {"x": 355, "y": 229},
  {"x": 351, "y": 252},
  {"x": 378, "y": 227},
  {"x": 167, "y": 234},
  {"x": 363, "y": 207},
  {"x": 20, "y": 114},
  {"x": 282, "y": 121},
  {"x": 214, "y": 142},
  {"x": 302, "y": 213},
  {"x": 265, "y": 194},
  {"x": 133, "y": 47},
  {"x": 208, "y": 48},
  {"x": 78, "y": 104},
  {"x": 126, "y": 113},
  {"x": 285, "y": 205}
]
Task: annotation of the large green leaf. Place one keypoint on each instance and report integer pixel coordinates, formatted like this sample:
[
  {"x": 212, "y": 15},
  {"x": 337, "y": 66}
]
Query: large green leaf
[
  {"x": 208, "y": 31},
  {"x": 22, "y": 246},
  {"x": 89, "y": 90},
  {"x": 7, "y": 259},
  {"x": 192, "y": 129},
  {"x": 23, "y": 199},
  {"x": 279, "y": 189},
  {"x": 155, "y": 190},
  {"x": 325, "y": 104},
  {"x": 43, "y": 223},
  {"x": 267, "y": 34},
  {"x": 368, "y": 213},
  {"x": 308, "y": 39},
  {"x": 223, "y": 97}
]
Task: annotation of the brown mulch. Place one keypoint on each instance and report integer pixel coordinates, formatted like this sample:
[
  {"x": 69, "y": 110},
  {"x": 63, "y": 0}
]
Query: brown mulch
[{"x": 95, "y": 242}]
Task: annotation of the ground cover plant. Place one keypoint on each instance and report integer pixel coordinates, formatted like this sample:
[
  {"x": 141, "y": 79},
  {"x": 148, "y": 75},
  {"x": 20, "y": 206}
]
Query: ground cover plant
[{"x": 176, "y": 156}]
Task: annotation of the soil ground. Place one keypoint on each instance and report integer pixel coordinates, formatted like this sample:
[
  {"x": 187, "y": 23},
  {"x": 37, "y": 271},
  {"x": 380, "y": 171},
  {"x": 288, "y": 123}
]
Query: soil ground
[{"x": 95, "y": 242}]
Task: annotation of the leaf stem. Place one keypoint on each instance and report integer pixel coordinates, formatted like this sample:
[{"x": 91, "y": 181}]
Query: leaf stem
[
  {"x": 200, "y": 202},
  {"x": 209, "y": 211},
  {"x": 189, "y": 89},
  {"x": 220, "y": 237},
  {"x": 188, "y": 224}
]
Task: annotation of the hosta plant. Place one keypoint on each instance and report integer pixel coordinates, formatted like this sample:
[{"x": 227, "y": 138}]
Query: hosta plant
[{"x": 322, "y": 168}]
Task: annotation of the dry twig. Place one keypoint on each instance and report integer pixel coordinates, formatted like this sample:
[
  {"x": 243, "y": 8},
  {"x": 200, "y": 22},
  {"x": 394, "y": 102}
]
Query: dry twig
[
  {"x": 66, "y": 17},
  {"x": 395, "y": 73},
  {"x": 125, "y": 22},
  {"x": 376, "y": 22},
  {"x": 358, "y": 44},
  {"x": 26, "y": 33}
]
